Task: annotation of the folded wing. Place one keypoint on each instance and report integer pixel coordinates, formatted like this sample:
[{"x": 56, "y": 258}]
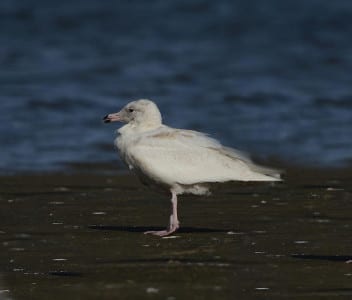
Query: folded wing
[{"x": 187, "y": 157}]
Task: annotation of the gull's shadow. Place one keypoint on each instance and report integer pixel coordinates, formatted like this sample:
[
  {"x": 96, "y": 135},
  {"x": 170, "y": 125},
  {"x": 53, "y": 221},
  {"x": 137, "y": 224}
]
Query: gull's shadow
[
  {"x": 152, "y": 228},
  {"x": 323, "y": 257}
]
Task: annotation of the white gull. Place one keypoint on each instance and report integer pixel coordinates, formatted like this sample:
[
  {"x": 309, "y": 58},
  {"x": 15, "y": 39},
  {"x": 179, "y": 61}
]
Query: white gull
[{"x": 181, "y": 161}]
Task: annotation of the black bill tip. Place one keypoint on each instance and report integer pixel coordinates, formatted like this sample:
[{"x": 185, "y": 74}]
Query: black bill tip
[{"x": 106, "y": 119}]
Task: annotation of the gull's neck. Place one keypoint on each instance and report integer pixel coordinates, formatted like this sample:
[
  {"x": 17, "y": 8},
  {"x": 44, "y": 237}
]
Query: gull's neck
[{"x": 136, "y": 128}]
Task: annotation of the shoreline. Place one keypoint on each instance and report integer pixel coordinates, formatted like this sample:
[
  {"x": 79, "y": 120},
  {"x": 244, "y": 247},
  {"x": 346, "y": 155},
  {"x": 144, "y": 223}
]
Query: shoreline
[
  {"x": 290, "y": 172},
  {"x": 118, "y": 166}
]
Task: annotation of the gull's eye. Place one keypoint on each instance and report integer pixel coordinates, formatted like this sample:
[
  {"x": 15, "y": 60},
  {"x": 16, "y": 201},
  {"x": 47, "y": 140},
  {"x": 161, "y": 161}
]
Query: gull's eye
[{"x": 131, "y": 110}]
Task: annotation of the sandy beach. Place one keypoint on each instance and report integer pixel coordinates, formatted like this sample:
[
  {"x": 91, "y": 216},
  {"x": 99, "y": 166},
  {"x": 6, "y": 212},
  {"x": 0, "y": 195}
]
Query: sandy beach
[{"x": 79, "y": 235}]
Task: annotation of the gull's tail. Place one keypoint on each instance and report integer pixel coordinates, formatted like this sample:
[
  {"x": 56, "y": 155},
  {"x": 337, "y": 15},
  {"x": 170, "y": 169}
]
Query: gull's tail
[{"x": 260, "y": 173}]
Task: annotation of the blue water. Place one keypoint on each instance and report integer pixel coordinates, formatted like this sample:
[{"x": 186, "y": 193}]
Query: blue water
[{"x": 269, "y": 77}]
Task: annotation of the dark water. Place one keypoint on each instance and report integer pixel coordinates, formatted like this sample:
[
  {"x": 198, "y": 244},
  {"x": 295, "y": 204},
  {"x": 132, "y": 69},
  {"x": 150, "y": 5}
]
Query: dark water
[{"x": 270, "y": 77}]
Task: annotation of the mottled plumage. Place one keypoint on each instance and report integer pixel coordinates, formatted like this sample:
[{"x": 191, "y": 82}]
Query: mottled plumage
[{"x": 183, "y": 161}]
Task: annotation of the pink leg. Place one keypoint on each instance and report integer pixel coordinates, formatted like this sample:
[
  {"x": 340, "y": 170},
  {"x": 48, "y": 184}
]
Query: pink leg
[{"x": 174, "y": 223}]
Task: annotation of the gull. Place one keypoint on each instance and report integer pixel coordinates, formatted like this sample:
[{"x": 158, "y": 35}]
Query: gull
[{"x": 178, "y": 160}]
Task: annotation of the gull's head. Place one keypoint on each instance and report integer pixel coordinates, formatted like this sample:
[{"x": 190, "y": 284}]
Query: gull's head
[{"x": 139, "y": 113}]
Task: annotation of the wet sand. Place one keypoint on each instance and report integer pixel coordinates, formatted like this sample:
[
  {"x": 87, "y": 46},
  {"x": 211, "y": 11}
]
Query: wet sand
[{"x": 80, "y": 236}]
